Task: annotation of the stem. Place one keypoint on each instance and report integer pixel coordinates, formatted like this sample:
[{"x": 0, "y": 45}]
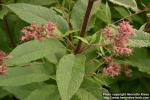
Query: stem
[
  {"x": 70, "y": 27},
  {"x": 141, "y": 11},
  {"x": 84, "y": 25}
]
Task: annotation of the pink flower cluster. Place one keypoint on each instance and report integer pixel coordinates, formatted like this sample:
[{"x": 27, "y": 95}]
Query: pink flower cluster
[
  {"x": 38, "y": 32},
  {"x": 120, "y": 39},
  {"x": 108, "y": 33},
  {"x": 113, "y": 69},
  {"x": 125, "y": 28},
  {"x": 3, "y": 67}
]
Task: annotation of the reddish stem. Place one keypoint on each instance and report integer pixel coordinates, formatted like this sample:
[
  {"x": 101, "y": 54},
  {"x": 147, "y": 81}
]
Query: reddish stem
[{"x": 84, "y": 25}]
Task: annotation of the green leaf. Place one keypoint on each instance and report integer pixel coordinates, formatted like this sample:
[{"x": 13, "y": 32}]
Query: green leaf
[
  {"x": 8, "y": 1},
  {"x": 18, "y": 76},
  {"x": 85, "y": 95},
  {"x": 126, "y": 3},
  {"x": 92, "y": 87},
  {"x": 93, "y": 38},
  {"x": 104, "y": 13},
  {"x": 37, "y": 2},
  {"x": 82, "y": 39},
  {"x": 3, "y": 93},
  {"x": 52, "y": 58},
  {"x": 48, "y": 92},
  {"x": 21, "y": 92},
  {"x": 122, "y": 11},
  {"x": 115, "y": 88},
  {"x": 78, "y": 13},
  {"x": 34, "y": 50},
  {"x": 145, "y": 83},
  {"x": 142, "y": 27},
  {"x": 140, "y": 39},
  {"x": 39, "y": 14},
  {"x": 92, "y": 66},
  {"x": 140, "y": 59},
  {"x": 3, "y": 12},
  {"x": 125, "y": 87},
  {"x": 70, "y": 32},
  {"x": 104, "y": 80},
  {"x": 108, "y": 12},
  {"x": 4, "y": 40},
  {"x": 15, "y": 24},
  {"x": 69, "y": 75}
]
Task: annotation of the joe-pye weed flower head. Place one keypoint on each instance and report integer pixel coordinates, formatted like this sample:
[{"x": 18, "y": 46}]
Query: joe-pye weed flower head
[
  {"x": 39, "y": 32},
  {"x": 120, "y": 39},
  {"x": 118, "y": 42}
]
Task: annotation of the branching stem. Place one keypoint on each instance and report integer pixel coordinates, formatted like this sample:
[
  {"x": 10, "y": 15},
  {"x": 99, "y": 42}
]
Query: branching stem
[{"x": 141, "y": 11}]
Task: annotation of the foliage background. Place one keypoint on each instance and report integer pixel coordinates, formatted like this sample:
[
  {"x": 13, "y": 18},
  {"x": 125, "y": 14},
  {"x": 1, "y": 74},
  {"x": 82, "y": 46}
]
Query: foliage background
[{"x": 40, "y": 71}]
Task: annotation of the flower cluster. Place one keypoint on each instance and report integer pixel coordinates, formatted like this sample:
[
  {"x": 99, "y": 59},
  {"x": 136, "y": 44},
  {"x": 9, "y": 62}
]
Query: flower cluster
[
  {"x": 113, "y": 69},
  {"x": 38, "y": 32},
  {"x": 120, "y": 39},
  {"x": 3, "y": 67},
  {"x": 108, "y": 33}
]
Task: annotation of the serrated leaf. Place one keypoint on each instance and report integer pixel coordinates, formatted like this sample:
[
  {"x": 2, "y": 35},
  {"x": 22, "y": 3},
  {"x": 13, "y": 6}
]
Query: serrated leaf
[
  {"x": 48, "y": 92},
  {"x": 34, "y": 50},
  {"x": 24, "y": 75},
  {"x": 140, "y": 39},
  {"x": 39, "y": 14},
  {"x": 126, "y": 3},
  {"x": 69, "y": 75}
]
